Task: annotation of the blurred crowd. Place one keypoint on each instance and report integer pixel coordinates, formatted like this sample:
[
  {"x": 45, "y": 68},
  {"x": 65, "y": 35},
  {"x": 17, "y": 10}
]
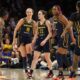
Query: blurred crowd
[{"x": 8, "y": 57}]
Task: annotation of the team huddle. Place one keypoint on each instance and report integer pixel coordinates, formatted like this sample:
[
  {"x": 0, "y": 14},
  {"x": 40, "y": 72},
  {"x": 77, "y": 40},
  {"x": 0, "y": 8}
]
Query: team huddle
[{"x": 33, "y": 37}]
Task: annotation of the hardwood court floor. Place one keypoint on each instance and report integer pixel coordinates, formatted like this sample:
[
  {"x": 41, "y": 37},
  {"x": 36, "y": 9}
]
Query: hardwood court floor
[{"x": 18, "y": 74}]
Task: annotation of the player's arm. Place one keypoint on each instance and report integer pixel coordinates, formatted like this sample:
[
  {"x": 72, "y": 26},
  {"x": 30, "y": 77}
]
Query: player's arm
[
  {"x": 48, "y": 24},
  {"x": 19, "y": 24},
  {"x": 71, "y": 31},
  {"x": 35, "y": 32},
  {"x": 68, "y": 28}
]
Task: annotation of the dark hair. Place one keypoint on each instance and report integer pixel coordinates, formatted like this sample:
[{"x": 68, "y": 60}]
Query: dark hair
[
  {"x": 59, "y": 8},
  {"x": 3, "y": 12},
  {"x": 44, "y": 12},
  {"x": 78, "y": 4}
]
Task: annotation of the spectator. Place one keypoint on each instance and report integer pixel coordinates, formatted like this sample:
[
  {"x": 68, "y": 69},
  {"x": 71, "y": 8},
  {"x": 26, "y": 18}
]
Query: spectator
[
  {"x": 15, "y": 58},
  {"x": 6, "y": 53},
  {"x": 12, "y": 23}
]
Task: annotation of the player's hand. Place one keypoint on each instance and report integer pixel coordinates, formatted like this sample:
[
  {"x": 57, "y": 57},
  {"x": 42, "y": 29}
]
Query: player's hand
[
  {"x": 43, "y": 43},
  {"x": 63, "y": 35},
  {"x": 15, "y": 48},
  {"x": 13, "y": 43},
  {"x": 33, "y": 43},
  {"x": 73, "y": 41}
]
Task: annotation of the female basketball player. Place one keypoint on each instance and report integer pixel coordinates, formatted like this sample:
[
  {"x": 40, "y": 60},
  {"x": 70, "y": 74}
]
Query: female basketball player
[
  {"x": 75, "y": 23},
  {"x": 27, "y": 35},
  {"x": 60, "y": 21},
  {"x": 44, "y": 34}
]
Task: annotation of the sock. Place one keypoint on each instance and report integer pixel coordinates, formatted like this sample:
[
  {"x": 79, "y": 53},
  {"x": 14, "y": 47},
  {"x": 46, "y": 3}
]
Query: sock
[
  {"x": 60, "y": 72},
  {"x": 59, "y": 58},
  {"x": 51, "y": 71},
  {"x": 24, "y": 62},
  {"x": 31, "y": 71},
  {"x": 29, "y": 59}
]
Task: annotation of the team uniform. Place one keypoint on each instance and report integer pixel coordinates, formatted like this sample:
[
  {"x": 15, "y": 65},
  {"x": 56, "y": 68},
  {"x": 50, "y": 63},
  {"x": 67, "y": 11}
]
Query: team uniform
[
  {"x": 25, "y": 36},
  {"x": 62, "y": 42},
  {"x": 58, "y": 27},
  {"x": 42, "y": 34},
  {"x": 26, "y": 32},
  {"x": 75, "y": 18},
  {"x": 62, "y": 59}
]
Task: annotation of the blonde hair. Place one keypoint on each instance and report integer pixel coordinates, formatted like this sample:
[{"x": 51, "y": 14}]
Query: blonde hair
[{"x": 30, "y": 9}]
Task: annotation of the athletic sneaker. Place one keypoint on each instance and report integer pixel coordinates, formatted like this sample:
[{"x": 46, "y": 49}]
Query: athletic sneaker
[
  {"x": 26, "y": 70},
  {"x": 72, "y": 74},
  {"x": 50, "y": 74},
  {"x": 29, "y": 74},
  {"x": 60, "y": 75}
]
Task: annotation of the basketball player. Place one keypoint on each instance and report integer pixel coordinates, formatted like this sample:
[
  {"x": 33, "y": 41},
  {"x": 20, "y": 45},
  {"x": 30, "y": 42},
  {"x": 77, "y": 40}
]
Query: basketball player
[
  {"x": 27, "y": 36},
  {"x": 60, "y": 22},
  {"x": 75, "y": 23},
  {"x": 44, "y": 34}
]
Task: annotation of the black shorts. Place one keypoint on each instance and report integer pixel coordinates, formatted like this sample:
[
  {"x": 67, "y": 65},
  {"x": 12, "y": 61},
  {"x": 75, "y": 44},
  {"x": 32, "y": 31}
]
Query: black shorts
[
  {"x": 59, "y": 41},
  {"x": 24, "y": 39},
  {"x": 42, "y": 49}
]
